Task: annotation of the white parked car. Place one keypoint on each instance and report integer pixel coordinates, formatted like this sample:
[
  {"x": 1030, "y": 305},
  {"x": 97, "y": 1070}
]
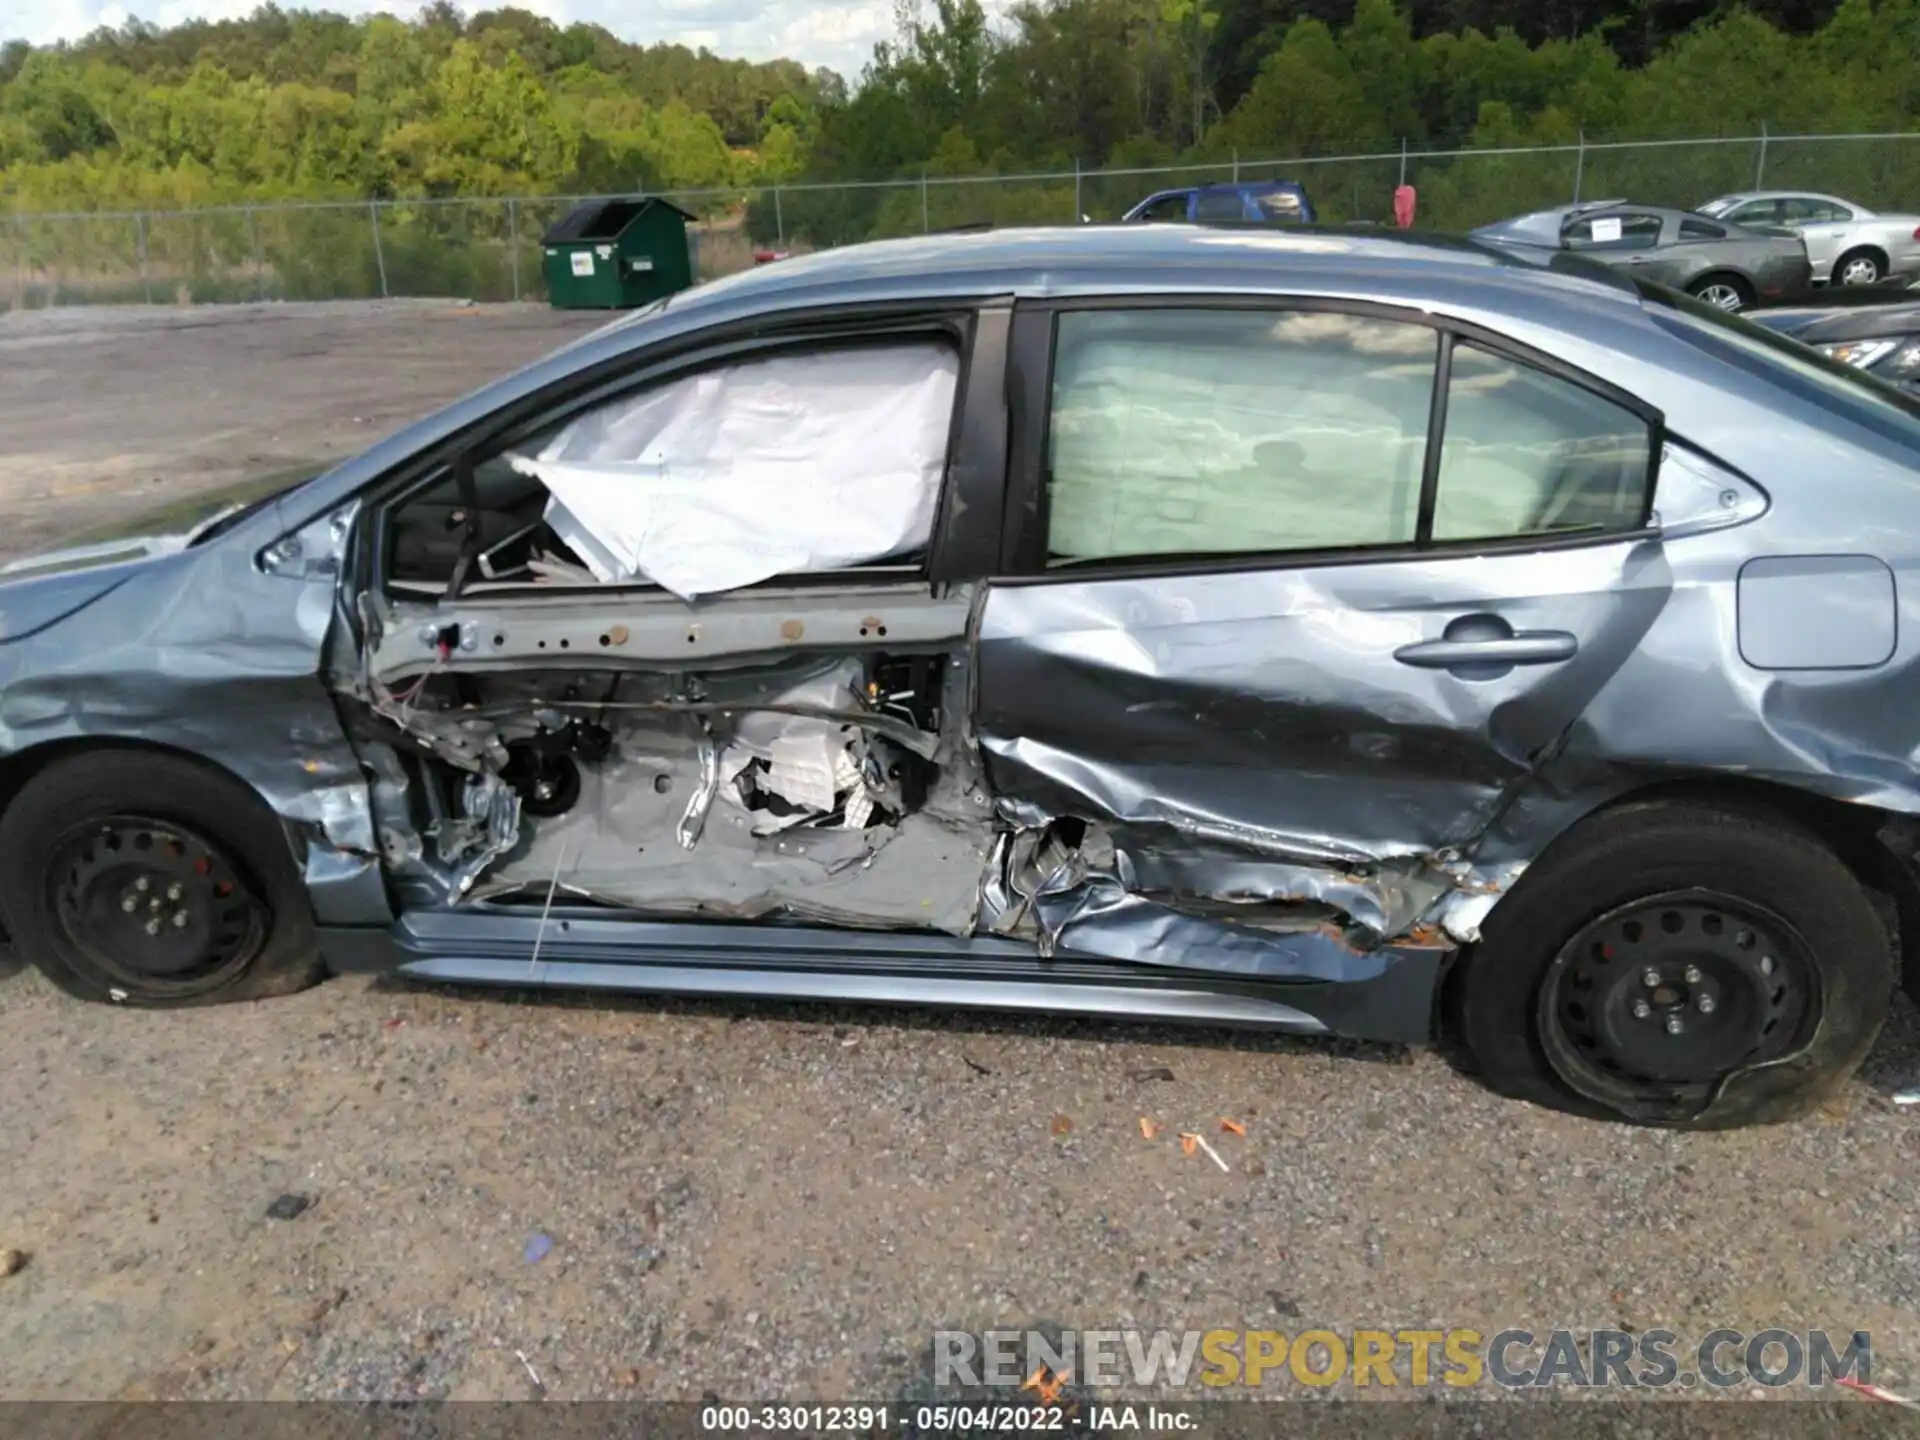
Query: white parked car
[{"x": 1847, "y": 243}]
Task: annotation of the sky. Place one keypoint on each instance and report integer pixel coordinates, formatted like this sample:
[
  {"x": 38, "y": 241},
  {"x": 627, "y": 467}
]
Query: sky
[{"x": 838, "y": 34}]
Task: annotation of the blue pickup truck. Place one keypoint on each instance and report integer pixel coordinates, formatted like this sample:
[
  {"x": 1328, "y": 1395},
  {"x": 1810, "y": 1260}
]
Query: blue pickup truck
[{"x": 1242, "y": 202}]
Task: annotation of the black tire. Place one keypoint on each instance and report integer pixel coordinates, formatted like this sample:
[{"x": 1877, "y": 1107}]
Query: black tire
[
  {"x": 212, "y": 830},
  {"x": 1862, "y": 257},
  {"x": 1500, "y": 1024},
  {"x": 1707, "y": 287}
]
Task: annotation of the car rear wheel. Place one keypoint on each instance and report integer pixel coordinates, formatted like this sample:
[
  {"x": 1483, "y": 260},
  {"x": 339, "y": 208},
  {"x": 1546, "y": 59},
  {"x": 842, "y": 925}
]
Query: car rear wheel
[
  {"x": 1859, "y": 267},
  {"x": 1683, "y": 965},
  {"x": 148, "y": 879},
  {"x": 1723, "y": 292}
]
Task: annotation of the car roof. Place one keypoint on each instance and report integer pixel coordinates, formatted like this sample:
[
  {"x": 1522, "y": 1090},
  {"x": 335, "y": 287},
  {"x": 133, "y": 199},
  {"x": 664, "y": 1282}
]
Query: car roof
[
  {"x": 1236, "y": 185},
  {"x": 1745, "y": 195},
  {"x": 1122, "y": 259}
]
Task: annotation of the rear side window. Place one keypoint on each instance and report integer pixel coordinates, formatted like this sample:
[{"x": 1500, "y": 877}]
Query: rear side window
[
  {"x": 1220, "y": 205},
  {"x": 1692, "y": 229},
  {"x": 1204, "y": 433},
  {"x": 1215, "y": 432},
  {"x": 1757, "y": 212},
  {"x": 1811, "y": 209},
  {"x": 1529, "y": 453},
  {"x": 1614, "y": 232},
  {"x": 1280, "y": 207}
]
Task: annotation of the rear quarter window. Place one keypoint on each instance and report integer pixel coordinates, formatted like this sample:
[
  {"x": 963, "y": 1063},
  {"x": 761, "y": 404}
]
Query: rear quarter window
[{"x": 1280, "y": 207}]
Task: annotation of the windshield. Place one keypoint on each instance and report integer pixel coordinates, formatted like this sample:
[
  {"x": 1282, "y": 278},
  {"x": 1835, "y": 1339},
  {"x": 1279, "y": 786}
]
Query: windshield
[{"x": 1799, "y": 369}]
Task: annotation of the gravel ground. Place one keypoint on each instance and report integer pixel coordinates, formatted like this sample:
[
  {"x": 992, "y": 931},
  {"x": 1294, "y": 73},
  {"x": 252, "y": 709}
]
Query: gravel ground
[
  {"x": 116, "y": 406},
  {"x": 776, "y": 1202}
]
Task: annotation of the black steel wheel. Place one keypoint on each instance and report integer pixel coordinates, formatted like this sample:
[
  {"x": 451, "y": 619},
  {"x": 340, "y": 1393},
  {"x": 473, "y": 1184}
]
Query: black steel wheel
[
  {"x": 155, "y": 905},
  {"x": 141, "y": 877},
  {"x": 1676, "y": 989},
  {"x": 1692, "y": 963}
]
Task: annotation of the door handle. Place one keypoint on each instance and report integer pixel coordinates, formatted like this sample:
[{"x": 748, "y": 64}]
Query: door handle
[{"x": 1527, "y": 647}]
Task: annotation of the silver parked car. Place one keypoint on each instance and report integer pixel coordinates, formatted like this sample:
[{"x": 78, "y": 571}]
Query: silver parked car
[
  {"x": 1334, "y": 633},
  {"x": 1724, "y": 265},
  {"x": 1847, "y": 244}
]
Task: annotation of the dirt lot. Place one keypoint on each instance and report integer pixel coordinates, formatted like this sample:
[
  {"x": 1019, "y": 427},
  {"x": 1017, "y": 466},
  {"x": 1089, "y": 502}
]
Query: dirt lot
[
  {"x": 106, "y": 409},
  {"x": 772, "y": 1202}
]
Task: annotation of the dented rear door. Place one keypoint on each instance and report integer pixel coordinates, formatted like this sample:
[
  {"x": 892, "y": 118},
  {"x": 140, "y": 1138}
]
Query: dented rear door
[{"x": 1259, "y": 713}]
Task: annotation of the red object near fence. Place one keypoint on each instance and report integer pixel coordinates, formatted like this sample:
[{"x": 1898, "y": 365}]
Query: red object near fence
[{"x": 1403, "y": 202}]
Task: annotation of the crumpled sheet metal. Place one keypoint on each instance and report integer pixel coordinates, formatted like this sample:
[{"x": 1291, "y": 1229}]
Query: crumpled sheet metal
[
  {"x": 1269, "y": 708},
  {"x": 1087, "y": 899},
  {"x": 802, "y": 462},
  {"x": 1255, "y": 737},
  {"x": 1386, "y": 899},
  {"x": 1127, "y": 797},
  {"x": 1203, "y": 859},
  {"x": 205, "y": 653},
  {"x": 1100, "y": 917}
]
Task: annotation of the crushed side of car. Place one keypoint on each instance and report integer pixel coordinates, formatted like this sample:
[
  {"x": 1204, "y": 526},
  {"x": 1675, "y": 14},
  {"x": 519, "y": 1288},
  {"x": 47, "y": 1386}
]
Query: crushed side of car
[{"x": 839, "y": 783}]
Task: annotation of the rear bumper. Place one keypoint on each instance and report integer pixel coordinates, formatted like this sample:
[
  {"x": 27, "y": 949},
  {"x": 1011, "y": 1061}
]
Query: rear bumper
[
  {"x": 1783, "y": 282},
  {"x": 1391, "y": 997}
]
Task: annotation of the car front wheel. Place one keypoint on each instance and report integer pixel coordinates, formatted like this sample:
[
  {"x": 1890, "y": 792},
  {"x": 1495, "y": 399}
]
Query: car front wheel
[
  {"x": 149, "y": 879},
  {"x": 1683, "y": 965}
]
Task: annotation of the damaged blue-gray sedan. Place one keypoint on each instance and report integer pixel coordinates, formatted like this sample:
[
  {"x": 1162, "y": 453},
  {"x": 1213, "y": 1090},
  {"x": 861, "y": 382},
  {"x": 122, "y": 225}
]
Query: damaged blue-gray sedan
[{"x": 1326, "y": 632}]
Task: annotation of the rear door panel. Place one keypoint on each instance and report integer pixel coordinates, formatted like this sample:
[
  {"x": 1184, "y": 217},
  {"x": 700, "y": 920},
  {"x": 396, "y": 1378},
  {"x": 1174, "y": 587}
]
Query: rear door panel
[
  {"x": 1333, "y": 727},
  {"x": 1289, "y": 709}
]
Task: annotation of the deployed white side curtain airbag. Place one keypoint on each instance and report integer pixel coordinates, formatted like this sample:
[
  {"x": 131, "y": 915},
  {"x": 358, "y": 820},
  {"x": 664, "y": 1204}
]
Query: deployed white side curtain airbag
[{"x": 801, "y": 462}]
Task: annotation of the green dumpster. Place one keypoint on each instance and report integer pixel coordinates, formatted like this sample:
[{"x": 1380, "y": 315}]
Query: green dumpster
[{"x": 617, "y": 254}]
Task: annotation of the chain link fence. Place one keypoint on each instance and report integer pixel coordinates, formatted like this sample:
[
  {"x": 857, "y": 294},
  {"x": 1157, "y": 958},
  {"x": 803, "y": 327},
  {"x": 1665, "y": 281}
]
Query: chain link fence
[{"x": 489, "y": 249}]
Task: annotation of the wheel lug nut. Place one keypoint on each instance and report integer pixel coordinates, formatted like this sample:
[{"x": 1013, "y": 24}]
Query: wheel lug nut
[
  {"x": 153, "y": 927},
  {"x": 173, "y": 891},
  {"x": 1674, "y": 1027},
  {"x": 1651, "y": 976},
  {"x": 1706, "y": 1004},
  {"x": 142, "y": 884},
  {"x": 154, "y": 903},
  {"x": 130, "y": 903},
  {"x": 1641, "y": 1010},
  {"x": 1766, "y": 964},
  {"x": 1693, "y": 974}
]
